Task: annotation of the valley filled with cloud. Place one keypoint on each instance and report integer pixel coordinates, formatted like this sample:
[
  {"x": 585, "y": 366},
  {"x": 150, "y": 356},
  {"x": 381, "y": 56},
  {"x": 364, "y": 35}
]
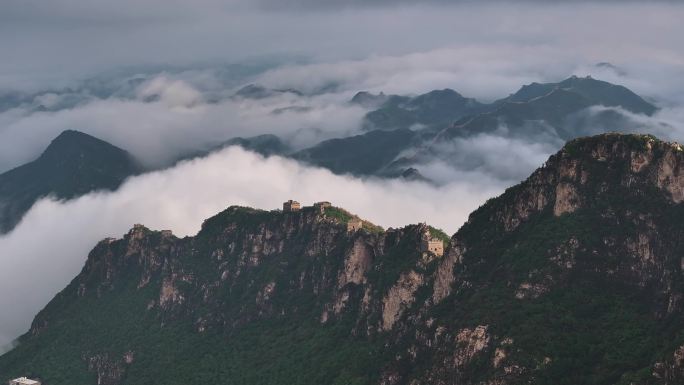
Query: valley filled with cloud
[{"x": 152, "y": 91}]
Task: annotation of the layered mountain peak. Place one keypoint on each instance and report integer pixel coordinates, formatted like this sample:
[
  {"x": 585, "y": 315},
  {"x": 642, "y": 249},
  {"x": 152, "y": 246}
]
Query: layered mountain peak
[
  {"x": 606, "y": 181},
  {"x": 594, "y": 91},
  {"x": 444, "y": 96},
  {"x": 73, "y": 164},
  {"x": 432, "y": 109},
  {"x": 68, "y": 136},
  {"x": 369, "y": 100},
  {"x": 71, "y": 144},
  {"x": 591, "y": 171},
  {"x": 93, "y": 162},
  {"x": 257, "y": 91}
]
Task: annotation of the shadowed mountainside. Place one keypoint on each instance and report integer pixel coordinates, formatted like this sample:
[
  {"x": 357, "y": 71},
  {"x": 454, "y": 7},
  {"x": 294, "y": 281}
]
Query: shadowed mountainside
[{"x": 72, "y": 165}]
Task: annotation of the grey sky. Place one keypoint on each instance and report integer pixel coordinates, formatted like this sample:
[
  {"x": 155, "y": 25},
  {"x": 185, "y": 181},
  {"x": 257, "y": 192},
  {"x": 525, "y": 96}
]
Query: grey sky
[{"x": 60, "y": 39}]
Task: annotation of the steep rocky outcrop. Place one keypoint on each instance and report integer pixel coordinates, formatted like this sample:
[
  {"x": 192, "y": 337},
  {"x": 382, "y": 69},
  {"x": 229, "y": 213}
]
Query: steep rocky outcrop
[
  {"x": 573, "y": 276},
  {"x": 399, "y": 298},
  {"x": 599, "y": 219}
]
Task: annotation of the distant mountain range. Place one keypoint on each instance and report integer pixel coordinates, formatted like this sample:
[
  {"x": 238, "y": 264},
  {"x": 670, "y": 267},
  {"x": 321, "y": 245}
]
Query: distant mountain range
[
  {"x": 537, "y": 112},
  {"x": 125, "y": 84},
  {"x": 551, "y": 102},
  {"x": 573, "y": 276},
  {"x": 401, "y": 135},
  {"x": 434, "y": 109}
]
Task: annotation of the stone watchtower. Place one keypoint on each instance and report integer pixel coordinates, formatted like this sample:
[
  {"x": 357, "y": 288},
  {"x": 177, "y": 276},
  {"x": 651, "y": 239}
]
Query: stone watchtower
[
  {"x": 431, "y": 245},
  {"x": 291, "y": 206},
  {"x": 354, "y": 224},
  {"x": 321, "y": 206}
]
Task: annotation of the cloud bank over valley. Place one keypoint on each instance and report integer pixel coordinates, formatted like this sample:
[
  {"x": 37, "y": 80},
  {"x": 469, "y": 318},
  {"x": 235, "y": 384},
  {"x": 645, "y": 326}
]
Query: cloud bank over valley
[
  {"x": 168, "y": 80},
  {"x": 51, "y": 243}
]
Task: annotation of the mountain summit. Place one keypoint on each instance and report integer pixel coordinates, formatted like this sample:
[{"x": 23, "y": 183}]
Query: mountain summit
[
  {"x": 596, "y": 92},
  {"x": 573, "y": 276},
  {"x": 73, "y": 164}
]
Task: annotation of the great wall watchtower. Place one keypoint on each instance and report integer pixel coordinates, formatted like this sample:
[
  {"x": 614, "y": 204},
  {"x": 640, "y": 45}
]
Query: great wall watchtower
[
  {"x": 429, "y": 244},
  {"x": 433, "y": 245},
  {"x": 291, "y": 206},
  {"x": 354, "y": 224},
  {"x": 321, "y": 206}
]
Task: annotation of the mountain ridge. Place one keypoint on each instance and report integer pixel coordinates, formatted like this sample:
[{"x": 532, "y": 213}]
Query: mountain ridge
[
  {"x": 539, "y": 111},
  {"x": 597, "y": 91},
  {"x": 584, "y": 255},
  {"x": 547, "y": 112}
]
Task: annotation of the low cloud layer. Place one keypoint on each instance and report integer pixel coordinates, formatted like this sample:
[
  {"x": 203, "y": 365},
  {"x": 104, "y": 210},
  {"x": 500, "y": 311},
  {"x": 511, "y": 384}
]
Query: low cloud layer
[
  {"x": 172, "y": 113},
  {"x": 353, "y": 48},
  {"x": 167, "y": 117},
  {"x": 50, "y": 245},
  {"x": 167, "y": 91},
  {"x": 496, "y": 157}
]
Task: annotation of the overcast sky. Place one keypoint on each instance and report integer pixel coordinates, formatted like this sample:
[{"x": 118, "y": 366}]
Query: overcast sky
[
  {"x": 59, "y": 39},
  {"x": 481, "y": 49}
]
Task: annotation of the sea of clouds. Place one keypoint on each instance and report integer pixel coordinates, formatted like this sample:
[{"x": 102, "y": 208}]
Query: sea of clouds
[
  {"x": 50, "y": 245},
  {"x": 172, "y": 94}
]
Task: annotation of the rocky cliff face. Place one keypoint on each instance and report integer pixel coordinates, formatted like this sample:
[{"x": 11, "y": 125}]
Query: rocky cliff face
[
  {"x": 573, "y": 276},
  {"x": 595, "y": 236},
  {"x": 245, "y": 267}
]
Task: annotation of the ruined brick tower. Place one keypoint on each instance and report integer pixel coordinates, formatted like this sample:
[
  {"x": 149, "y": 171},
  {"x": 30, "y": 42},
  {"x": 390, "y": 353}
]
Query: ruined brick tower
[
  {"x": 291, "y": 206},
  {"x": 432, "y": 245},
  {"x": 354, "y": 224}
]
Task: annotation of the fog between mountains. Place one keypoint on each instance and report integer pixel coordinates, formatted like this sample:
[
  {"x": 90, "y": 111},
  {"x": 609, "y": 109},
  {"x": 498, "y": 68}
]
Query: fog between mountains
[
  {"x": 174, "y": 113},
  {"x": 47, "y": 46},
  {"x": 178, "y": 121},
  {"x": 354, "y": 48},
  {"x": 50, "y": 245}
]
